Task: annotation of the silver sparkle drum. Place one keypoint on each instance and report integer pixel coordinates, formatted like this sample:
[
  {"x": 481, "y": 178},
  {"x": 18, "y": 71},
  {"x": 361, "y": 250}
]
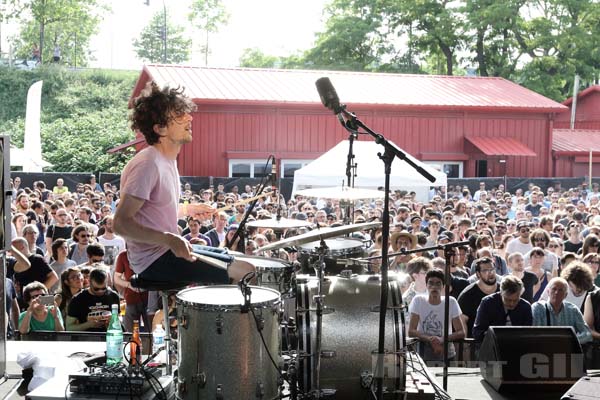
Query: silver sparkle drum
[
  {"x": 349, "y": 337},
  {"x": 339, "y": 249},
  {"x": 271, "y": 272},
  {"x": 221, "y": 354}
]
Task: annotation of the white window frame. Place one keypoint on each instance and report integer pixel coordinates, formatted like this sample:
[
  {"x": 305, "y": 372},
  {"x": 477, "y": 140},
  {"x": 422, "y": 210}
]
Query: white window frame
[
  {"x": 440, "y": 165},
  {"x": 251, "y": 162},
  {"x": 283, "y": 163}
]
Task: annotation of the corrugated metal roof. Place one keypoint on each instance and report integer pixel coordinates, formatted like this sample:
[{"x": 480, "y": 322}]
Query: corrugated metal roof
[
  {"x": 575, "y": 140},
  {"x": 500, "y": 146},
  {"x": 258, "y": 86},
  {"x": 582, "y": 94}
]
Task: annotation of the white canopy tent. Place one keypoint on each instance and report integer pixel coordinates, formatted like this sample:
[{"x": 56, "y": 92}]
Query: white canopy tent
[{"x": 330, "y": 170}]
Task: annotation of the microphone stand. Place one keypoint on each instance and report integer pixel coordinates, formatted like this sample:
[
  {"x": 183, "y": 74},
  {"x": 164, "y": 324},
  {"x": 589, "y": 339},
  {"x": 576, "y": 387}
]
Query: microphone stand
[
  {"x": 390, "y": 152},
  {"x": 242, "y": 224},
  {"x": 350, "y": 171}
]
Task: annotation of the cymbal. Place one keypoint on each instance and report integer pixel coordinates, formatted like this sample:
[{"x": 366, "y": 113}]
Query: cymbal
[
  {"x": 342, "y": 193},
  {"x": 318, "y": 234},
  {"x": 283, "y": 223}
]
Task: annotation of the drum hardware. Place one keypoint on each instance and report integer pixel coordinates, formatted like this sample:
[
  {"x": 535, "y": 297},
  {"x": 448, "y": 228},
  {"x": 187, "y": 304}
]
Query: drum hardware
[
  {"x": 219, "y": 324},
  {"x": 181, "y": 387},
  {"x": 325, "y": 310},
  {"x": 328, "y": 353},
  {"x": 260, "y": 390},
  {"x": 346, "y": 273},
  {"x": 366, "y": 379},
  {"x": 182, "y": 321}
]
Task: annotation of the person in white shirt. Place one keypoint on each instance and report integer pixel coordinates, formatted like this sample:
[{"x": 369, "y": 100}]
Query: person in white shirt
[
  {"x": 521, "y": 243},
  {"x": 427, "y": 319}
]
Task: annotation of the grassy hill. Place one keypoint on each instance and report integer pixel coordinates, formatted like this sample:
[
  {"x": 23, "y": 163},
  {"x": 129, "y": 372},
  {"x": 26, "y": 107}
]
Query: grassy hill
[{"x": 84, "y": 113}]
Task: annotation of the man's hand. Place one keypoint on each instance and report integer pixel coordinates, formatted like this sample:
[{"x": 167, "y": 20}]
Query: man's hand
[
  {"x": 200, "y": 211},
  {"x": 179, "y": 246}
]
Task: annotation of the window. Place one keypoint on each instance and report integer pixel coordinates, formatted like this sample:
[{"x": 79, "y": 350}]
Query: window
[
  {"x": 248, "y": 168},
  {"x": 288, "y": 167},
  {"x": 452, "y": 169}
]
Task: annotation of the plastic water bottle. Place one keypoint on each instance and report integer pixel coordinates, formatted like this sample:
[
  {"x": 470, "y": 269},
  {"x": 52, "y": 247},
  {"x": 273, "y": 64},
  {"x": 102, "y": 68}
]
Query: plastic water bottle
[
  {"x": 158, "y": 341},
  {"x": 114, "y": 338}
]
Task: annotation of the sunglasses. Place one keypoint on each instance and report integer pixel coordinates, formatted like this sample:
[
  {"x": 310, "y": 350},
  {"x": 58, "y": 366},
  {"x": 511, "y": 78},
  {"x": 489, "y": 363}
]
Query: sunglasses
[{"x": 98, "y": 289}]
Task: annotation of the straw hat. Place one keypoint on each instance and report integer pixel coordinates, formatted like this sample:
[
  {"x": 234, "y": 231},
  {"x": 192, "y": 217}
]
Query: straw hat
[{"x": 397, "y": 235}]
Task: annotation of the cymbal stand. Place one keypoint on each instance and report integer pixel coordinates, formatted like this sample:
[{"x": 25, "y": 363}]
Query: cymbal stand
[{"x": 319, "y": 298}]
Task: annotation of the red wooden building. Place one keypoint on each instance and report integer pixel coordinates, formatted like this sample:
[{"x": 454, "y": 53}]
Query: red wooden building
[
  {"x": 572, "y": 148},
  {"x": 587, "y": 112},
  {"x": 468, "y": 126}
]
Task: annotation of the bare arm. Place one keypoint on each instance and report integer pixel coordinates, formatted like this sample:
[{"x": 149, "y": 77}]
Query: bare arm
[
  {"x": 51, "y": 279},
  {"x": 126, "y": 226},
  {"x": 588, "y": 317},
  {"x": 458, "y": 329},
  {"x": 120, "y": 282},
  {"x": 22, "y": 263},
  {"x": 73, "y": 324}
]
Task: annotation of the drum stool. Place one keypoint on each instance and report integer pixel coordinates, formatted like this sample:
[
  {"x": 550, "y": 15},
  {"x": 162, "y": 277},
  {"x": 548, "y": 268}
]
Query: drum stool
[{"x": 165, "y": 288}]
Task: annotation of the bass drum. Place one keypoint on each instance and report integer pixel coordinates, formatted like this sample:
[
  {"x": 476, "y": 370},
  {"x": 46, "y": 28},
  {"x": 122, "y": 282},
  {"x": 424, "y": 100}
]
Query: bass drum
[
  {"x": 221, "y": 353},
  {"x": 349, "y": 336}
]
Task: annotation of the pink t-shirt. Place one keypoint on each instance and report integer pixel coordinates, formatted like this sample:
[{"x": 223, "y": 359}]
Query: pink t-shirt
[{"x": 154, "y": 178}]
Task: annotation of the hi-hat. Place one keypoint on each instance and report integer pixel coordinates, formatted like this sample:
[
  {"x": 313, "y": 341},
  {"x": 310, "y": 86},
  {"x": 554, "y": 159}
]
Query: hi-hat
[
  {"x": 342, "y": 193},
  {"x": 318, "y": 234},
  {"x": 283, "y": 223}
]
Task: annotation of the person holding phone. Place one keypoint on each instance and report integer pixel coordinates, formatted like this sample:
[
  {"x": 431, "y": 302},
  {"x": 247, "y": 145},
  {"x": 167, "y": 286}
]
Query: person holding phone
[{"x": 42, "y": 313}]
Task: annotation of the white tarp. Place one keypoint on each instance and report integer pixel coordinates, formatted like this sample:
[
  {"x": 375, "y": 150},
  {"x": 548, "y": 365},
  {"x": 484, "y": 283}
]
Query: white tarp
[{"x": 330, "y": 170}]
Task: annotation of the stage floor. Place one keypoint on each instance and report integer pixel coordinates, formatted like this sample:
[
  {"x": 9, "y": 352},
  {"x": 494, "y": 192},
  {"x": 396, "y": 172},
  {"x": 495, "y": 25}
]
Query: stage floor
[{"x": 468, "y": 384}]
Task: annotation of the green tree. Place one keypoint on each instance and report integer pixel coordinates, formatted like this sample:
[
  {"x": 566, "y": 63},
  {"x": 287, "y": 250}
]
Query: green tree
[
  {"x": 255, "y": 58},
  {"x": 64, "y": 23},
  {"x": 208, "y": 16},
  {"x": 561, "y": 38},
  {"x": 493, "y": 46},
  {"x": 149, "y": 45}
]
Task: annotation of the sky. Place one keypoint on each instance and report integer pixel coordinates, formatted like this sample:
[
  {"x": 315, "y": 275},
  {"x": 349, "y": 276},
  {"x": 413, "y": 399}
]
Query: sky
[{"x": 277, "y": 27}]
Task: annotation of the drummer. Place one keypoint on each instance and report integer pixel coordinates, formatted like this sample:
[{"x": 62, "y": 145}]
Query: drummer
[{"x": 148, "y": 208}]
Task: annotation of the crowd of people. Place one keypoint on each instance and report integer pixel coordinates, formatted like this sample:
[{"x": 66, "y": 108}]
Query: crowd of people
[{"x": 532, "y": 257}]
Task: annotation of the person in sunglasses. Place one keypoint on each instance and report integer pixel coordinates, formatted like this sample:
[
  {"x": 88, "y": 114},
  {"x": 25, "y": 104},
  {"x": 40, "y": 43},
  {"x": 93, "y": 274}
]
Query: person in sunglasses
[{"x": 90, "y": 309}]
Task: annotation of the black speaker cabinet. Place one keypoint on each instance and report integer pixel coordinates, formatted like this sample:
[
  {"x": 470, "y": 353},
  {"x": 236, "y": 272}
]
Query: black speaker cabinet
[{"x": 544, "y": 358}]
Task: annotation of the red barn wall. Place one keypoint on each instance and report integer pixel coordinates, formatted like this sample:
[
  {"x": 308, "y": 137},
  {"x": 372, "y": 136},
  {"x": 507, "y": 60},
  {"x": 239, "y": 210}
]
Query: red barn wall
[
  {"x": 587, "y": 115},
  {"x": 223, "y": 132}
]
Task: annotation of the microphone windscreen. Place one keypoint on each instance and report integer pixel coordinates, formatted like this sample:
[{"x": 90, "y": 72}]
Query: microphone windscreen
[{"x": 328, "y": 95}]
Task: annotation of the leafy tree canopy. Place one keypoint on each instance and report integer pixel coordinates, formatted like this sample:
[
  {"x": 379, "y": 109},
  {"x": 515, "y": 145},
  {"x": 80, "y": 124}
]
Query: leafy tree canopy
[{"x": 149, "y": 46}]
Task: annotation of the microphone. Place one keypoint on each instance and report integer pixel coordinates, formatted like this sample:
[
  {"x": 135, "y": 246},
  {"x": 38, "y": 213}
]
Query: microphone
[{"x": 328, "y": 95}]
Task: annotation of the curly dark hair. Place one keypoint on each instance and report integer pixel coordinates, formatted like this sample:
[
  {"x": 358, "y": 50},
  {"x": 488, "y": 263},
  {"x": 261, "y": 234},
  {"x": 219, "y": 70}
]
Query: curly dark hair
[{"x": 156, "y": 106}]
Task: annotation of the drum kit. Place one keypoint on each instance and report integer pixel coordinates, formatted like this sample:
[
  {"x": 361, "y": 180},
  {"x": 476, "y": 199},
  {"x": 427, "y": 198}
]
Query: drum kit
[{"x": 305, "y": 332}]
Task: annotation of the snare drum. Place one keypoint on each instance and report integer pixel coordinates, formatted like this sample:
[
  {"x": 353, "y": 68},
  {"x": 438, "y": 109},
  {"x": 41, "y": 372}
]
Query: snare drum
[
  {"x": 221, "y": 353},
  {"x": 349, "y": 336},
  {"x": 271, "y": 272},
  {"x": 339, "y": 249}
]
